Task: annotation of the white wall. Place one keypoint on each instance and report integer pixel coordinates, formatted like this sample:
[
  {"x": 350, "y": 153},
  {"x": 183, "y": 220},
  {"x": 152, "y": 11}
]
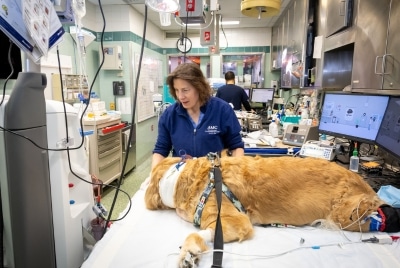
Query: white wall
[
  {"x": 89, "y": 20},
  {"x": 245, "y": 37},
  {"x": 126, "y": 18}
]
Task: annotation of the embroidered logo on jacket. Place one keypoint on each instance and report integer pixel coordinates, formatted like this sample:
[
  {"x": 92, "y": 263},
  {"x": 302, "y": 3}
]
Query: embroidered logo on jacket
[{"x": 212, "y": 130}]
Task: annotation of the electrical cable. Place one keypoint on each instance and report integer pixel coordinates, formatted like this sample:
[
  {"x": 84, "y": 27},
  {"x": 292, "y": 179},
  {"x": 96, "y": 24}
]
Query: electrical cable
[
  {"x": 68, "y": 148},
  {"x": 226, "y": 39},
  {"x": 254, "y": 256},
  {"x": 63, "y": 100},
  {"x": 185, "y": 35},
  {"x": 297, "y": 153},
  {"x": 2, "y": 100},
  {"x": 81, "y": 123},
  {"x": 133, "y": 120},
  {"x": 358, "y": 220}
]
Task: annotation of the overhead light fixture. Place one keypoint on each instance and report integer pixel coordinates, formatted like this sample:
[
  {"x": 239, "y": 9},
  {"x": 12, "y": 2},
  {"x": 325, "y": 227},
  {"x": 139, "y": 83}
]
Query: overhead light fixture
[
  {"x": 165, "y": 18},
  {"x": 233, "y": 22},
  {"x": 260, "y": 8},
  {"x": 166, "y": 6}
]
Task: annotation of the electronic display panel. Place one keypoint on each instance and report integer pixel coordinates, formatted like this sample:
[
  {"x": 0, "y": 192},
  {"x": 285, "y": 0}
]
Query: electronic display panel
[
  {"x": 262, "y": 95},
  {"x": 389, "y": 133},
  {"x": 247, "y": 90},
  {"x": 352, "y": 116}
]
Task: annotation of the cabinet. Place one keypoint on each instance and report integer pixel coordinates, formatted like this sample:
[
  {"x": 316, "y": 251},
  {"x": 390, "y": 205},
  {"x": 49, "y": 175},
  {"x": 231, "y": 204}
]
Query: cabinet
[
  {"x": 376, "y": 56},
  {"x": 112, "y": 57},
  {"x": 391, "y": 59},
  {"x": 72, "y": 84},
  {"x": 276, "y": 49},
  {"x": 339, "y": 15},
  {"x": 288, "y": 43},
  {"x": 105, "y": 150},
  {"x": 297, "y": 41},
  {"x": 338, "y": 42},
  {"x": 286, "y": 49}
]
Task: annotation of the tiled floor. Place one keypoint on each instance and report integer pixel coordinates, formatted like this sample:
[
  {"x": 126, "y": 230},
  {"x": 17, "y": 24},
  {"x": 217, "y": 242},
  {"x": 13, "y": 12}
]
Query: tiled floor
[{"x": 131, "y": 184}]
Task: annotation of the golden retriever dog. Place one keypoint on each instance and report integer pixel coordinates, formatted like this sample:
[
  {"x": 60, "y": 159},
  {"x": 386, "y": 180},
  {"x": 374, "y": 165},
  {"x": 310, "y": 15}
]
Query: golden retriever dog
[{"x": 287, "y": 190}]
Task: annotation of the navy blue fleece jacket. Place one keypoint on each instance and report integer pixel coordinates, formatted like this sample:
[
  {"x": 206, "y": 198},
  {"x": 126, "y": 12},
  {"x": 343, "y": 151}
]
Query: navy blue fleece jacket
[{"x": 219, "y": 129}]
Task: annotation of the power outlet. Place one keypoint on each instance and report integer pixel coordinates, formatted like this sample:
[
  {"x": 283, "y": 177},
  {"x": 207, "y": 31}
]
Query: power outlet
[{"x": 112, "y": 106}]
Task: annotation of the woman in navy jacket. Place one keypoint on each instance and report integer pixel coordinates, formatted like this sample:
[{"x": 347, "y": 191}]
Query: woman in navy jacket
[{"x": 196, "y": 123}]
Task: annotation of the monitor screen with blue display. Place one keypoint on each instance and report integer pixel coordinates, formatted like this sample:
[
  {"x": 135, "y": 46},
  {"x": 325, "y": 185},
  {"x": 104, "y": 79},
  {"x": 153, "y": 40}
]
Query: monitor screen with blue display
[
  {"x": 262, "y": 95},
  {"x": 389, "y": 133},
  {"x": 352, "y": 116}
]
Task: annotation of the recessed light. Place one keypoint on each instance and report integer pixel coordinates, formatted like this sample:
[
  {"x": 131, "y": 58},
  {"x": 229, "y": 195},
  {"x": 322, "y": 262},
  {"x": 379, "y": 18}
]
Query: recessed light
[{"x": 232, "y": 22}]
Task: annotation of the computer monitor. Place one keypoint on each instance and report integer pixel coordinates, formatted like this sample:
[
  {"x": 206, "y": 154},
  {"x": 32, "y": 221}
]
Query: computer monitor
[
  {"x": 388, "y": 136},
  {"x": 262, "y": 95},
  {"x": 247, "y": 90},
  {"x": 356, "y": 117}
]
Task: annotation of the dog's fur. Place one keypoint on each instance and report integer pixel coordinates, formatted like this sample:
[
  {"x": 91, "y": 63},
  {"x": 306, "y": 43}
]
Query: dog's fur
[{"x": 288, "y": 190}]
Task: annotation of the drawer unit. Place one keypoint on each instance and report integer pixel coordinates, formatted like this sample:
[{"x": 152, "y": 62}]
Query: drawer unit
[{"x": 105, "y": 149}]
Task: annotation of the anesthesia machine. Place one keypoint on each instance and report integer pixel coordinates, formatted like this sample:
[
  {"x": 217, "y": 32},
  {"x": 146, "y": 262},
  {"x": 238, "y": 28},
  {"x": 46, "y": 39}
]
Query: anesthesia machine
[{"x": 46, "y": 208}]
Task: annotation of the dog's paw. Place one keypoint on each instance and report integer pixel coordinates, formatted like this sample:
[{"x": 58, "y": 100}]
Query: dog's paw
[
  {"x": 188, "y": 260},
  {"x": 191, "y": 251}
]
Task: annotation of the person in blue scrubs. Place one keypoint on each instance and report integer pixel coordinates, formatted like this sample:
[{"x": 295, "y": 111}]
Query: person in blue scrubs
[{"x": 197, "y": 123}]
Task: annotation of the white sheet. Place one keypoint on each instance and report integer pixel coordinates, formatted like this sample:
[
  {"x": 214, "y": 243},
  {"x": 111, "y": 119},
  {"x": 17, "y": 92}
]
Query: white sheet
[{"x": 152, "y": 238}]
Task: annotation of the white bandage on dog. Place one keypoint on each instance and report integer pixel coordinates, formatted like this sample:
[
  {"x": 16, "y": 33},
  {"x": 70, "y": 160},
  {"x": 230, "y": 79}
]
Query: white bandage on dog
[
  {"x": 167, "y": 185},
  {"x": 207, "y": 235}
]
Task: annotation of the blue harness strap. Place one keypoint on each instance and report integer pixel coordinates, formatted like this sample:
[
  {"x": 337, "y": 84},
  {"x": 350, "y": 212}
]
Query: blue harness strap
[
  {"x": 206, "y": 193},
  {"x": 201, "y": 204},
  {"x": 235, "y": 201}
]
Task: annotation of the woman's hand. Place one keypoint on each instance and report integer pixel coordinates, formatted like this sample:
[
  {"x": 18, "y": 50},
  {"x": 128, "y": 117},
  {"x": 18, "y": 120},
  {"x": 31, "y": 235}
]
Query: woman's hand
[{"x": 238, "y": 152}]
